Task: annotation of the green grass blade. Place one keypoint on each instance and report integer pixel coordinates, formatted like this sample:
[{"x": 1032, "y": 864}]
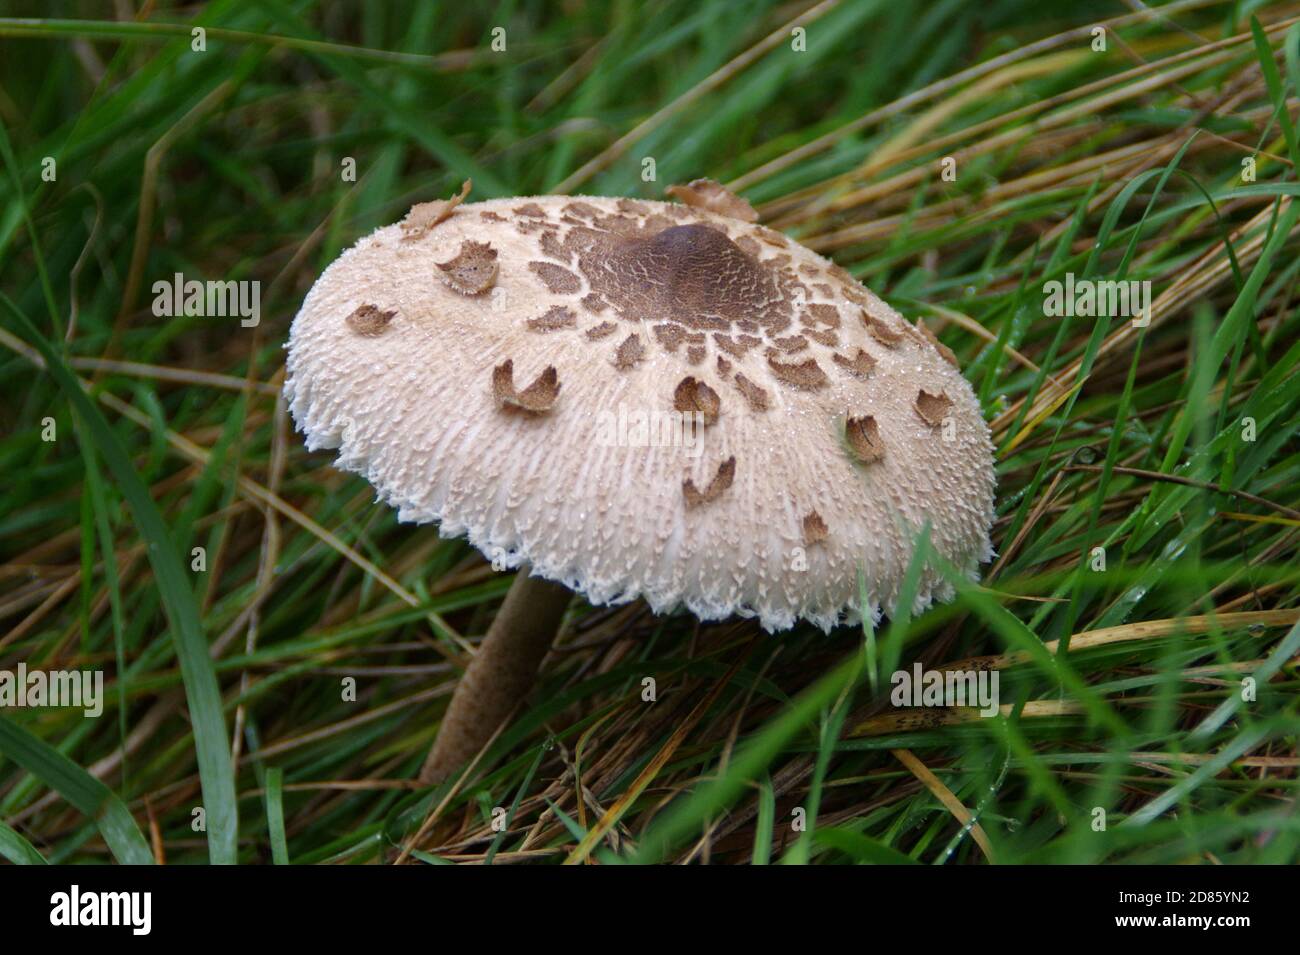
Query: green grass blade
[
  {"x": 211, "y": 739},
  {"x": 78, "y": 787}
]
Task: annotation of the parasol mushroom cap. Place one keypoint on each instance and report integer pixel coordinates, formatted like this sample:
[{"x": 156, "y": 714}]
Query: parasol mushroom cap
[{"x": 489, "y": 366}]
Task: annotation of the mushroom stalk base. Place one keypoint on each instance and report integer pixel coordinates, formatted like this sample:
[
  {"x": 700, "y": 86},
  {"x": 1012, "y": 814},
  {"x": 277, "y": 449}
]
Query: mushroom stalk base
[{"x": 501, "y": 673}]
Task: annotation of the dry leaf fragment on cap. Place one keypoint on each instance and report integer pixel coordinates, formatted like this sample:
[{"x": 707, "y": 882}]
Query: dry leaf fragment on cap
[
  {"x": 369, "y": 320},
  {"x": 693, "y": 396},
  {"x": 863, "y": 436},
  {"x": 932, "y": 408},
  {"x": 425, "y": 215},
  {"x": 474, "y": 269},
  {"x": 538, "y": 397},
  {"x": 713, "y": 196},
  {"x": 721, "y": 481}
]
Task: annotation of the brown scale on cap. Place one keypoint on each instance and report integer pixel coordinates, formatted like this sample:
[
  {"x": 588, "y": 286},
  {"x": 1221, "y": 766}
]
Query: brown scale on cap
[
  {"x": 629, "y": 353},
  {"x": 669, "y": 335},
  {"x": 530, "y": 209},
  {"x": 880, "y": 330},
  {"x": 594, "y": 303},
  {"x": 823, "y": 337},
  {"x": 550, "y": 244},
  {"x": 557, "y": 317},
  {"x": 932, "y": 408},
  {"x": 944, "y": 351},
  {"x": 557, "y": 279},
  {"x": 724, "y": 366},
  {"x": 806, "y": 374},
  {"x": 693, "y": 275},
  {"x": 860, "y": 365},
  {"x": 474, "y": 269},
  {"x": 710, "y": 195},
  {"x": 425, "y": 215},
  {"x": 721, "y": 481},
  {"x": 791, "y": 344},
  {"x": 692, "y": 396},
  {"x": 603, "y": 330},
  {"x": 822, "y": 314},
  {"x": 369, "y": 320},
  {"x": 581, "y": 210},
  {"x": 696, "y": 354},
  {"x": 537, "y": 398},
  {"x": 814, "y": 529},
  {"x": 755, "y": 395},
  {"x": 863, "y": 436},
  {"x": 738, "y": 346}
]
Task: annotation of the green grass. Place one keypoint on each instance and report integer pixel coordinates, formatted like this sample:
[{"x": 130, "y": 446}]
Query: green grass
[{"x": 1173, "y": 447}]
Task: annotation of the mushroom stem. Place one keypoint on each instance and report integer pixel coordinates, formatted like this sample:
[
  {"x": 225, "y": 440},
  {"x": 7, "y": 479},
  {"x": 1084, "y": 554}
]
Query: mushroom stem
[{"x": 501, "y": 673}]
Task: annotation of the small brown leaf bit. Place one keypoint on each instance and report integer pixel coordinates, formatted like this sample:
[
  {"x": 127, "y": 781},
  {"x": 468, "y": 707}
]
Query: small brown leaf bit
[
  {"x": 863, "y": 435},
  {"x": 814, "y": 529},
  {"x": 694, "y": 396},
  {"x": 629, "y": 353},
  {"x": 932, "y": 408},
  {"x": 944, "y": 351},
  {"x": 860, "y": 365},
  {"x": 425, "y": 215},
  {"x": 807, "y": 375},
  {"x": 881, "y": 331},
  {"x": 369, "y": 320},
  {"x": 474, "y": 269},
  {"x": 721, "y": 481},
  {"x": 536, "y": 398},
  {"x": 714, "y": 197}
]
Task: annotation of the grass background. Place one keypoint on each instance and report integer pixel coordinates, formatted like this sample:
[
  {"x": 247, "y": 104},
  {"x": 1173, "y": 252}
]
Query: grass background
[{"x": 1125, "y": 736}]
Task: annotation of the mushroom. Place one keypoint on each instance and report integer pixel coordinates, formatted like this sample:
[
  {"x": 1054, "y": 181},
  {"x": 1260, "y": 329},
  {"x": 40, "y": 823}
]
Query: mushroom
[{"x": 475, "y": 371}]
